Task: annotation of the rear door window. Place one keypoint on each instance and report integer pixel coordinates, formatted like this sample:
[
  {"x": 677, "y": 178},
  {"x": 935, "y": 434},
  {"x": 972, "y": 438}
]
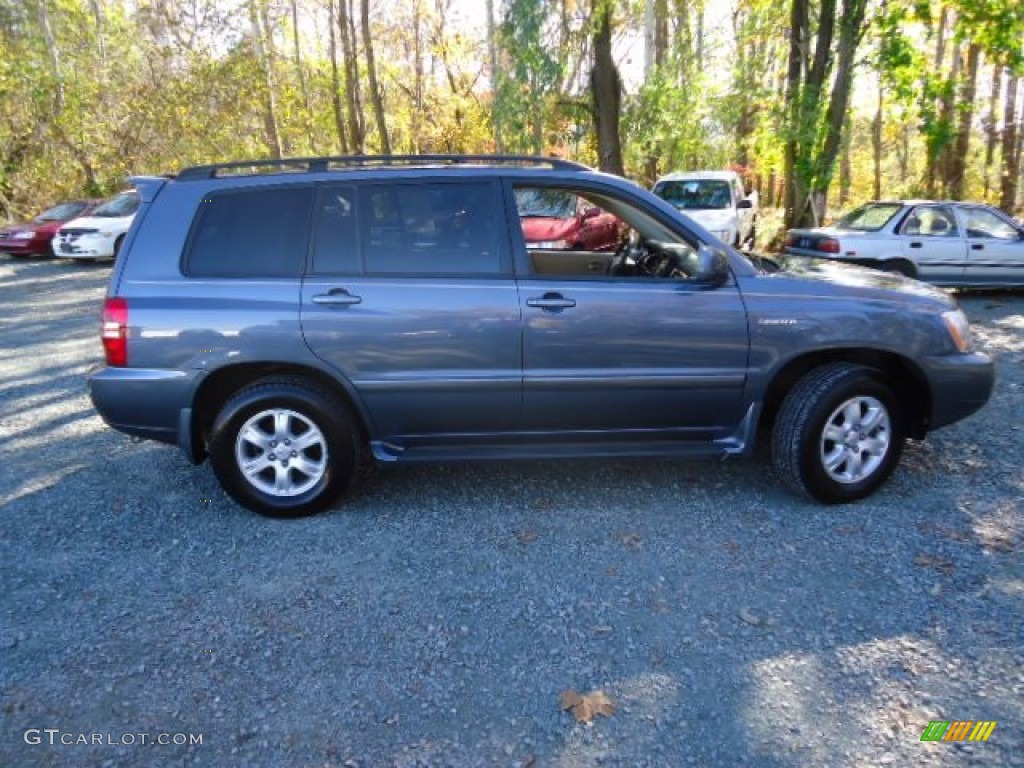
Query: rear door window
[
  {"x": 251, "y": 233},
  {"x": 430, "y": 228}
]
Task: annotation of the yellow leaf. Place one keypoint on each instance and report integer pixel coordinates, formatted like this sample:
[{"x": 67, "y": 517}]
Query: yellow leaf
[{"x": 586, "y": 707}]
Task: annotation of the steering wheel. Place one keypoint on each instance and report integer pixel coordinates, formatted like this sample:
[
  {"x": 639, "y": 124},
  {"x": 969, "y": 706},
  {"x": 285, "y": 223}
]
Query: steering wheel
[{"x": 619, "y": 263}]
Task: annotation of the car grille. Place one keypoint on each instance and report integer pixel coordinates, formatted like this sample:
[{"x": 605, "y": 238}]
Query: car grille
[{"x": 78, "y": 232}]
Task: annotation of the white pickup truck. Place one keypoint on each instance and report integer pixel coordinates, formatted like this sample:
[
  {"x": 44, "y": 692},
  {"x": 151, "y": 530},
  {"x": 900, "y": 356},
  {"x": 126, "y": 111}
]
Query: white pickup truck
[{"x": 716, "y": 200}]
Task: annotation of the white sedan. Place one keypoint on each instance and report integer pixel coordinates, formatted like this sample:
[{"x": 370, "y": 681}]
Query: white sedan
[{"x": 946, "y": 243}]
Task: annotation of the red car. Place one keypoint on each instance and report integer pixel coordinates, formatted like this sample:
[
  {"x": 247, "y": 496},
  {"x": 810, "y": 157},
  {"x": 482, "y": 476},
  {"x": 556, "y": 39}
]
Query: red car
[
  {"x": 33, "y": 238},
  {"x": 560, "y": 220}
]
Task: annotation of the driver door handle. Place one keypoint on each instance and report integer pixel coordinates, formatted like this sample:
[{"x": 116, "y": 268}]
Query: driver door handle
[
  {"x": 551, "y": 301},
  {"x": 915, "y": 244},
  {"x": 338, "y": 297}
]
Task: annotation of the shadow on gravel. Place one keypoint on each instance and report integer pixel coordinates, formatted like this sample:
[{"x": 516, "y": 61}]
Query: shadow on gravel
[{"x": 436, "y": 617}]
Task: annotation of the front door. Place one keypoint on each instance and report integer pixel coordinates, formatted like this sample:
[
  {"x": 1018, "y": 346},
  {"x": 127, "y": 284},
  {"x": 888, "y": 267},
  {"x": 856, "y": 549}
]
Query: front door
[
  {"x": 995, "y": 253},
  {"x": 410, "y": 297},
  {"x": 641, "y": 346}
]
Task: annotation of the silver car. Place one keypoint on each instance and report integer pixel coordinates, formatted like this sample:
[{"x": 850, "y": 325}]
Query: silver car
[{"x": 956, "y": 244}]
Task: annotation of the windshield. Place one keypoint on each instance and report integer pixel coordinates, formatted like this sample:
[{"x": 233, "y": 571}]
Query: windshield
[
  {"x": 545, "y": 203},
  {"x": 61, "y": 212},
  {"x": 869, "y": 218},
  {"x": 122, "y": 205},
  {"x": 695, "y": 194}
]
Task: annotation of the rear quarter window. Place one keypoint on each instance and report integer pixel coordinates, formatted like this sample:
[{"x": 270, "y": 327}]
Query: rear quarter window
[{"x": 259, "y": 232}]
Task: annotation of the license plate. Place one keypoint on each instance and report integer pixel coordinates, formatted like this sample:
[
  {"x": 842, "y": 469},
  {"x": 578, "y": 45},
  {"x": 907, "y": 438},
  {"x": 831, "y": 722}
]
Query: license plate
[{"x": 65, "y": 247}]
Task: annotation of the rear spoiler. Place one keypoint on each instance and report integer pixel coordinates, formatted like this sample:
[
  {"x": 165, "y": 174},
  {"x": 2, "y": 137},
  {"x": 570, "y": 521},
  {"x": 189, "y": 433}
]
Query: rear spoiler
[{"x": 148, "y": 186}]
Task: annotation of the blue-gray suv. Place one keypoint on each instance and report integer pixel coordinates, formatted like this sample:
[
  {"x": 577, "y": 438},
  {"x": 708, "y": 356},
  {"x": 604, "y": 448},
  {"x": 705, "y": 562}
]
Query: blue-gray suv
[{"x": 298, "y": 320}]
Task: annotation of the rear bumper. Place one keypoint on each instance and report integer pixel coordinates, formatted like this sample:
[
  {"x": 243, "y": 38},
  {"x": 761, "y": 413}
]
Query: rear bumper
[
  {"x": 961, "y": 385},
  {"x": 147, "y": 403}
]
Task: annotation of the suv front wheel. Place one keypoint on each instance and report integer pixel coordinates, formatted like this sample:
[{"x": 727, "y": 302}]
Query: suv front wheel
[
  {"x": 839, "y": 433},
  {"x": 283, "y": 447}
]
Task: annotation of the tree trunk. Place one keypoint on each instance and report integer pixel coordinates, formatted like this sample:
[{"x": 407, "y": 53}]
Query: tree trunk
[
  {"x": 339, "y": 114},
  {"x": 876, "y": 145},
  {"x": 992, "y": 126},
  {"x": 1011, "y": 154},
  {"x": 962, "y": 144},
  {"x": 300, "y": 70},
  {"x": 851, "y": 27},
  {"x": 53, "y": 53},
  {"x": 798, "y": 21},
  {"x": 606, "y": 88},
  {"x": 351, "y": 81},
  {"x": 272, "y": 136},
  {"x": 934, "y": 149},
  {"x": 845, "y": 169},
  {"x": 371, "y": 74},
  {"x": 417, "y": 100},
  {"x": 492, "y": 55}
]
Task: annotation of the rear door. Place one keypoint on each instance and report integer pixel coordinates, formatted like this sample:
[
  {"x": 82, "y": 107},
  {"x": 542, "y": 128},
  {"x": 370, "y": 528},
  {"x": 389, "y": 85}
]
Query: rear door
[
  {"x": 995, "y": 248},
  {"x": 410, "y": 296},
  {"x": 931, "y": 238}
]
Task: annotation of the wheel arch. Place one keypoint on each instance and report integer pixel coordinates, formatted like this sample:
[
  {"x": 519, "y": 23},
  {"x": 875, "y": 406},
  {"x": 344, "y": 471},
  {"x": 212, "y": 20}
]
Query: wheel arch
[
  {"x": 906, "y": 379},
  {"x": 215, "y": 390}
]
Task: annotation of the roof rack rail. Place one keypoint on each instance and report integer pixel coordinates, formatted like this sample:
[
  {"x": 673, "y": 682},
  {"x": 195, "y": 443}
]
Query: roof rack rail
[{"x": 320, "y": 164}]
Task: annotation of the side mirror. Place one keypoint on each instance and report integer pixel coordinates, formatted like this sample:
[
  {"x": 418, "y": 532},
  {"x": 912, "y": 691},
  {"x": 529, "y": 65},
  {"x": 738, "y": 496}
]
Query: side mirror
[
  {"x": 745, "y": 203},
  {"x": 712, "y": 266},
  {"x": 591, "y": 213}
]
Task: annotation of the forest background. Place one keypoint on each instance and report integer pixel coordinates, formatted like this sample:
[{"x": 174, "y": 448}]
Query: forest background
[{"x": 822, "y": 104}]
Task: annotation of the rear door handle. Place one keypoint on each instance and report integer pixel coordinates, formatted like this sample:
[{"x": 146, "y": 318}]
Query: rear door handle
[
  {"x": 977, "y": 247},
  {"x": 551, "y": 301},
  {"x": 339, "y": 297},
  {"x": 915, "y": 245}
]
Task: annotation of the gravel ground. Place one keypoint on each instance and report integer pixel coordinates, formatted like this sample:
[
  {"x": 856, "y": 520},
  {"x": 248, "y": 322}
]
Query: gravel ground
[{"x": 436, "y": 619}]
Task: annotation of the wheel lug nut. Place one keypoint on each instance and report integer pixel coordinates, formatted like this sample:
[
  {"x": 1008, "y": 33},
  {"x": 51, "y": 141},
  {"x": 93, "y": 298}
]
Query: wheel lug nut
[
  {"x": 294, "y": 454},
  {"x": 273, "y": 443},
  {"x": 272, "y": 457},
  {"x": 287, "y": 442}
]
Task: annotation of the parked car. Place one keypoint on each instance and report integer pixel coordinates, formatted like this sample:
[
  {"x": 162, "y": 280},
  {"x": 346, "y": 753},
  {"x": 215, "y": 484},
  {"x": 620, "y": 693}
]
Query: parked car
[
  {"x": 716, "y": 200},
  {"x": 33, "y": 238},
  {"x": 293, "y": 326},
  {"x": 559, "y": 220},
  {"x": 100, "y": 234},
  {"x": 955, "y": 244}
]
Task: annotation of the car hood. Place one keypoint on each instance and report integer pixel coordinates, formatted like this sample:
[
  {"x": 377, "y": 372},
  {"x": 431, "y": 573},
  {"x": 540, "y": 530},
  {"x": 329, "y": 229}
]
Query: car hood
[
  {"x": 879, "y": 284},
  {"x": 542, "y": 228},
  {"x": 105, "y": 223},
  {"x": 712, "y": 220}
]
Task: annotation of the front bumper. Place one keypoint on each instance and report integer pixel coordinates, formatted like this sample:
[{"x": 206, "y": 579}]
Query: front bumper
[
  {"x": 148, "y": 403},
  {"x": 84, "y": 247},
  {"x": 960, "y": 384},
  {"x": 20, "y": 247}
]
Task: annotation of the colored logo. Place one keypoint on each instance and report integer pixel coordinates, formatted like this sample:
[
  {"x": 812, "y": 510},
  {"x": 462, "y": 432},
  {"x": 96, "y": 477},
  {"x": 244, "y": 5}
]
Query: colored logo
[{"x": 958, "y": 730}]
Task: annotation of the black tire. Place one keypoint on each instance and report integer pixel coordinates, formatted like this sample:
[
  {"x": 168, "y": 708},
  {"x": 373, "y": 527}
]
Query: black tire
[
  {"x": 799, "y": 442},
  {"x": 899, "y": 267},
  {"x": 339, "y": 451}
]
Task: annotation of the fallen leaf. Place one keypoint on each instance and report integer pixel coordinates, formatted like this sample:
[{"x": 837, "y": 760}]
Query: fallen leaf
[
  {"x": 952, "y": 534},
  {"x": 994, "y": 304},
  {"x": 999, "y": 543},
  {"x": 525, "y": 537},
  {"x": 587, "y": 706}
]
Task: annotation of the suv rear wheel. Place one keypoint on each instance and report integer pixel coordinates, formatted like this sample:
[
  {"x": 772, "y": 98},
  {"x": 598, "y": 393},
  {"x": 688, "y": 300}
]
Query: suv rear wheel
[
  {"x": 284, "y": 447},
  {"x": 839, "y": 433}
]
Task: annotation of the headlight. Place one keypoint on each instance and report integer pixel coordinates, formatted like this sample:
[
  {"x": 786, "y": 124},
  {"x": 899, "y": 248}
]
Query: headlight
[
  {"x": 553, "y": 245},
  {"x": 959, "y": 329},
  {"x": 25, "y": 234}
]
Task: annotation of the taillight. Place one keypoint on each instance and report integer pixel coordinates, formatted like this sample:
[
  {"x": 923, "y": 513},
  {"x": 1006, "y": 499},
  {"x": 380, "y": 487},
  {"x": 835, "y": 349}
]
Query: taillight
[
  {"x": 115, "y": 332},
  {"x": 828, "y": 245}
]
